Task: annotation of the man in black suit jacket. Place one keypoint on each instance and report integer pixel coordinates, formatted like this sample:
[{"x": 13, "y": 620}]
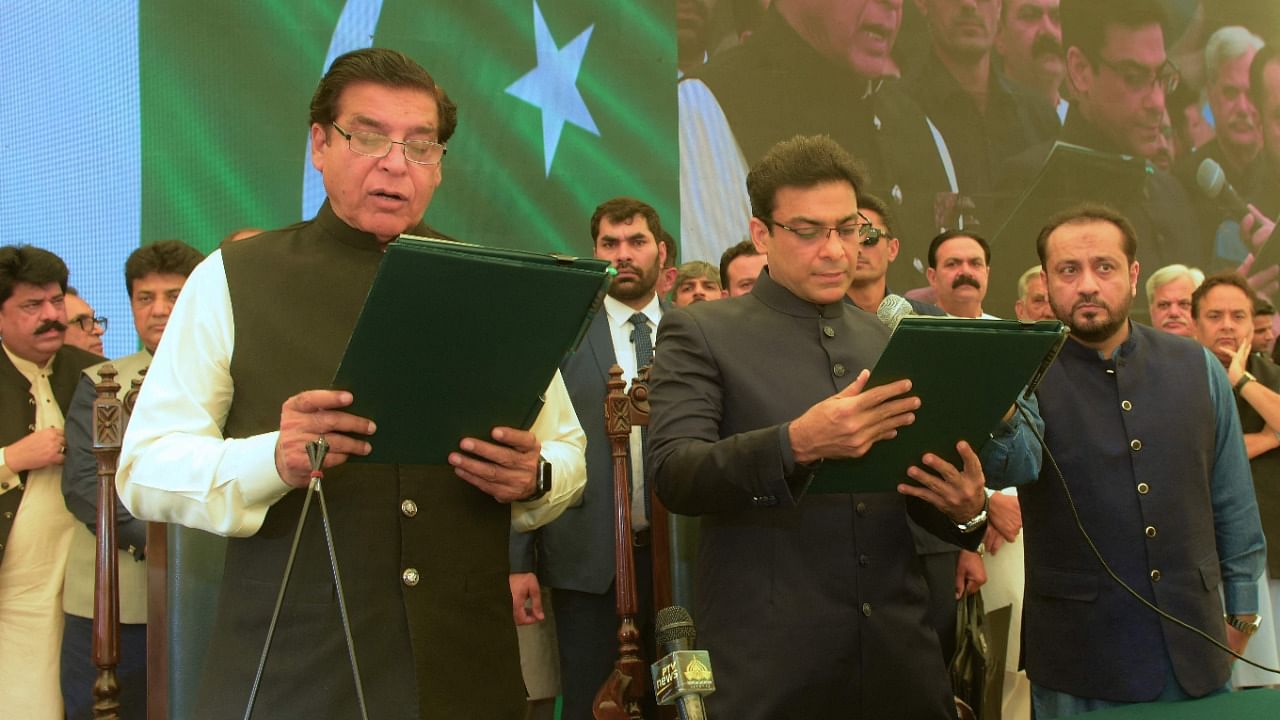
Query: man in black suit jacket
[
  {"x": 37, "y": 371},
  {"x": 574, "y": 555},
  {"x": 810, "y": 605}
]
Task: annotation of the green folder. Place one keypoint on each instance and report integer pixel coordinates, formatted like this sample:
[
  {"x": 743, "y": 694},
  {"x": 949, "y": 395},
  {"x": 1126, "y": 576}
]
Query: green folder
[
  {"x": 966, "y": 372},
  {"x": 455, "y": 339}
]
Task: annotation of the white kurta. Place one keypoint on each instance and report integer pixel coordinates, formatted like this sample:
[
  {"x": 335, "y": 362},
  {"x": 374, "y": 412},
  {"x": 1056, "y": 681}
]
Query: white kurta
[{"x": 31, "y": 576}]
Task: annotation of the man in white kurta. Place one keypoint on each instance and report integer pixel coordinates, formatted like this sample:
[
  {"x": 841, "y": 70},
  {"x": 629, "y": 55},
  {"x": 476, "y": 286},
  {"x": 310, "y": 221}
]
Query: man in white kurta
[
  {"x": 37, "y": 374},
  {"x": 31, "y": 575}
]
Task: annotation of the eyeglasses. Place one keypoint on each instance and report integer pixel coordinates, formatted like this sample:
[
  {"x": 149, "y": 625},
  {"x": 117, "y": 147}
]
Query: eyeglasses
[
  {"x": 87, "y": 322},
  {"x": 866, "y": 233},
  {"x": 371, "y": 144},
  {"x": 1139, "y": 78}
]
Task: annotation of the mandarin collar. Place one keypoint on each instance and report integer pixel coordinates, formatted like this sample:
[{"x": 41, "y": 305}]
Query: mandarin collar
[
  {"x": 333, "y": 226},
  {"x": 779, "y": 298},
  {"x": 1127, "y": 348},
  {"x": 1079, "y": 131}
]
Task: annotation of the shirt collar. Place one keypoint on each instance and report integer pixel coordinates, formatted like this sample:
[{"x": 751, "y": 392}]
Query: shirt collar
[
  {"x": 28, "y": 369},
  {"x": 620, "y": 313}
]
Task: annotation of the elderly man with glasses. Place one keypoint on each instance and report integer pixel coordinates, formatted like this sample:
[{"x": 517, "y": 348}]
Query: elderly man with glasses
[
  {"x": 218, "y": 442},
  {"x": 84, "y": 330}
]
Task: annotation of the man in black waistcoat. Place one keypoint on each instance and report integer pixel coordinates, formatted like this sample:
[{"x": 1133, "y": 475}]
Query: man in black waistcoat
[
  {"x": 812, "y": 67},
  {"x": 810, "y": 605},
  {"x": 1161, "y": 485},
  {"x": 38, "y": 374},
  {"x": 217, "y": 442}
]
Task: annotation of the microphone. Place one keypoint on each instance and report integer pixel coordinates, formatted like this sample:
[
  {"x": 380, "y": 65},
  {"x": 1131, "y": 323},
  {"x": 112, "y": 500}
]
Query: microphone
[
  {"x": 1213, "y": 181},
  {"x": 892, "y": 309},
  {"x": 683, "y": 676}
]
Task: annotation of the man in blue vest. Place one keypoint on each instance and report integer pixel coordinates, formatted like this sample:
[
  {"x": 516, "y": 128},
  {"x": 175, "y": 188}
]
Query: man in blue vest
[{"x": 1160, "y": 482}]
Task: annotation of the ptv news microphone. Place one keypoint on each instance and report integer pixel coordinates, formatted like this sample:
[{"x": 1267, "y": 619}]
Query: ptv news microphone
[
  {"x": 892, "y": 309},
  {"x": 683, "y": 676},
  {"x": 1213, "y": 181}
]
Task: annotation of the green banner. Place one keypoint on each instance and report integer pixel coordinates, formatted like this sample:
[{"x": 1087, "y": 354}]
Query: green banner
[{"x": 561, "y": 106}]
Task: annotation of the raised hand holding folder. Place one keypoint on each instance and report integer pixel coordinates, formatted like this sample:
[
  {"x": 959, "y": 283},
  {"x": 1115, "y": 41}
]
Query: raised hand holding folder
[
  {"x": 967, "y": 373},
  {"x": 455, "y": 339}
]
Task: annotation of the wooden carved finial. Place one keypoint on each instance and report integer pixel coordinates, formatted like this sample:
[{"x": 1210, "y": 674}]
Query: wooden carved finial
[{"x": 135, "y": 387}]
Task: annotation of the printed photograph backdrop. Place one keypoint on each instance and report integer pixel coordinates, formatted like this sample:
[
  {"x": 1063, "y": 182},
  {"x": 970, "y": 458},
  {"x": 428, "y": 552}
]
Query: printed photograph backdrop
[
  {"x": 130, "y": 122},
  {"x": 869, "y": 73}
]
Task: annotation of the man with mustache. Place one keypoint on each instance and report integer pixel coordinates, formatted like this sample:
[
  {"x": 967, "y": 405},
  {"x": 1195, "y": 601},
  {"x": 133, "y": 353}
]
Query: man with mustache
[
  {"x": 574, "y": 555},
  {"x": 984, "y": 119},
  {"x": 1224, "y": 309},
  {"x": 1237, "y": 137},
  {"x": 1169, "y": 292},
  {"x": 1144, "y": 429},
  {"x": 1029, "y": 44},
  {"x": 697, "y": 281},
  {"x": 959, "y": 268},
  {"x": 38, "y": 374}
]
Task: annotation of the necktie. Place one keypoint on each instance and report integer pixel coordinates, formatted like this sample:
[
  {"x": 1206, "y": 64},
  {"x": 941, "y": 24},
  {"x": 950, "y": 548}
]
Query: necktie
[{"x": 641, "y": 337}]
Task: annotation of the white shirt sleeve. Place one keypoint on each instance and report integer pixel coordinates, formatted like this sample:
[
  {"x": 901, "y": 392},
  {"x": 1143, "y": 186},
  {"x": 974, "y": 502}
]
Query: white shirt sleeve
[
  {"x": 714, "y": 210},
  {"x": 8, "y": 478},
  {"x": 563, "y": 445},
  {"x": 175, "y": 465}
]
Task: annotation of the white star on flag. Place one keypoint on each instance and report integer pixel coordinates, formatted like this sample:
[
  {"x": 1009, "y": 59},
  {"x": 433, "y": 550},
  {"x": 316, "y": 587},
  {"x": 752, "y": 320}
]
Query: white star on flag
[{"x": 551, "y": 86}]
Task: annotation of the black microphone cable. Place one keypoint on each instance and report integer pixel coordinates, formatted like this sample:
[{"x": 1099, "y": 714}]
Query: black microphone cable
[{"x": 1075, "y": 514}]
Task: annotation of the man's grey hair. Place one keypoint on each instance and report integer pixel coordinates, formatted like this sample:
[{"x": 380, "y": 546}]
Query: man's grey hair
[
  {"x": 1169, "y": 273},
  {"x": 1225, "y": 45},
  {"x": 1032, "y": 272}
]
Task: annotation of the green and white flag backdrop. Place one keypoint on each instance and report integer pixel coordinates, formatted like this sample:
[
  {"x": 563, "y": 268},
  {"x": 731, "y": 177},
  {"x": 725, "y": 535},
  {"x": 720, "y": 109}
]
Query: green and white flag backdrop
[{"x": 130, "y": 122}]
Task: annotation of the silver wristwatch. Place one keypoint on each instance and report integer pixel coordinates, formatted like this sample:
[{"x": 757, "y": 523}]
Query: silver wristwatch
[{"x": 979, "y": 520}]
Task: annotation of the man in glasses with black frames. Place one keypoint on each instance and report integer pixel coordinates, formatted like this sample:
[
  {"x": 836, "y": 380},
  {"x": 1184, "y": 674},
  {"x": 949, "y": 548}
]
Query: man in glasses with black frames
[
  {"x": 876, "y": 251},
  {"x": 218, "y": 442},
  {"x": 84, "y": 329},
  {"x": 810, "y": 604},
  {"x": 1120, "y": 74}
]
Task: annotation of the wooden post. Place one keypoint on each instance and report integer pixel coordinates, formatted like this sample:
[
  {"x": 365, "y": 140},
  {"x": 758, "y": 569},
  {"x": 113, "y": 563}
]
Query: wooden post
[
  {"x": 108, "y": 429},
  {"x": 619, "y": 697}
]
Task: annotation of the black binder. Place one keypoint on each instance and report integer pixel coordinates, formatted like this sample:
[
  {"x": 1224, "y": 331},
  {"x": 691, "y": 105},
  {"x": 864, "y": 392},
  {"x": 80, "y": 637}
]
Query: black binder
[
  {"x": 966, "y": 372},
  {"x": 455, "y": 339}
]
